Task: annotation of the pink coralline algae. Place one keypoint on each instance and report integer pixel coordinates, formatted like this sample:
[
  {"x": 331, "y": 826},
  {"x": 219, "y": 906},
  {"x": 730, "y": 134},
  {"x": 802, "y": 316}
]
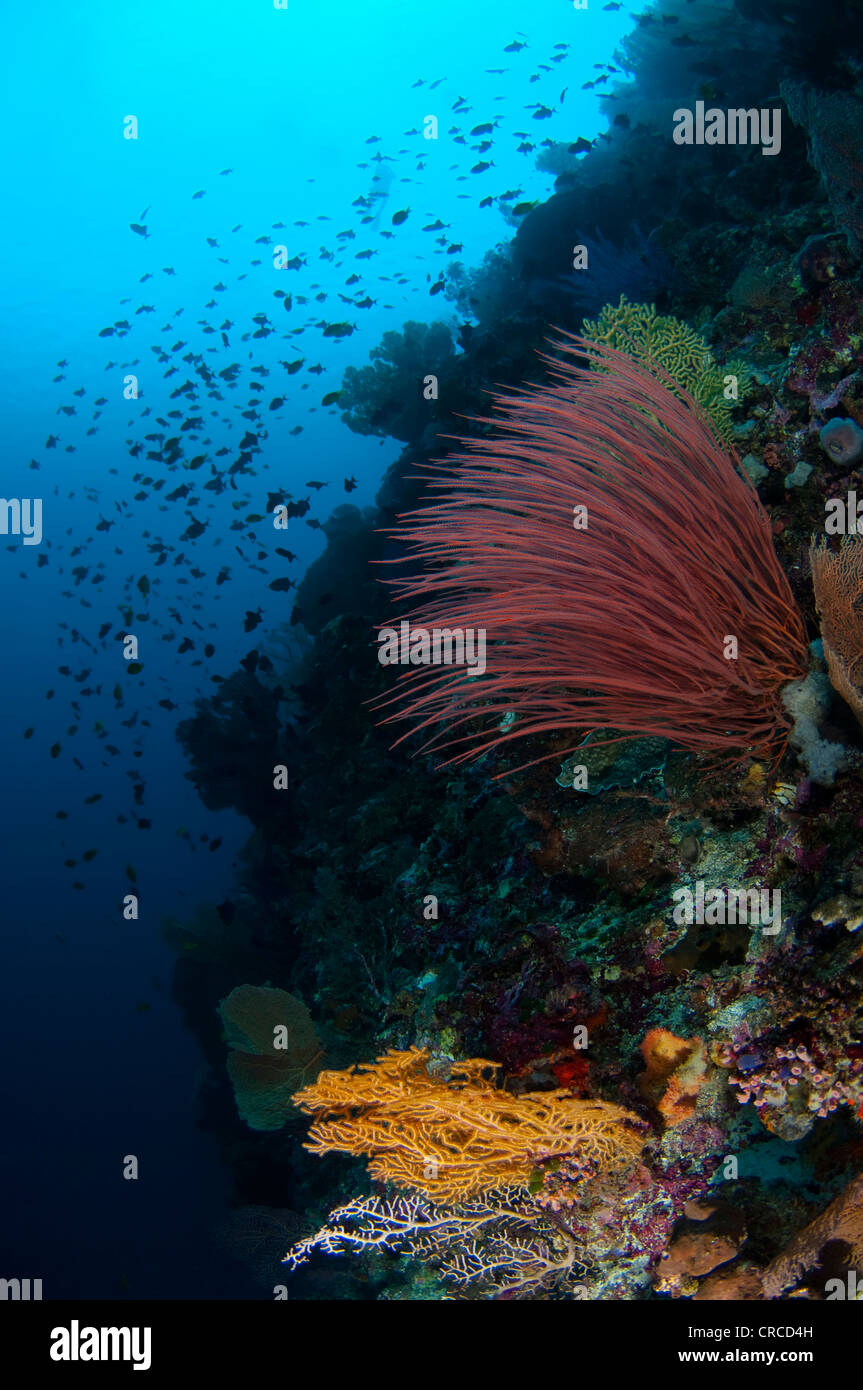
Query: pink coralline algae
[{"x": 629, "y": 1217}]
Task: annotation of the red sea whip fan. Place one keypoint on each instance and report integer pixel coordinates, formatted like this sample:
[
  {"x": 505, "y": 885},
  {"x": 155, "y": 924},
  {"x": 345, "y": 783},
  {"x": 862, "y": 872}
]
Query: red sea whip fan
[{"x": 622, "y": 625}]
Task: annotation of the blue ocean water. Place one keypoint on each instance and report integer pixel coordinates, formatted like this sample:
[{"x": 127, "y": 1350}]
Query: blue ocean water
[{"x": 293, "y": 124}]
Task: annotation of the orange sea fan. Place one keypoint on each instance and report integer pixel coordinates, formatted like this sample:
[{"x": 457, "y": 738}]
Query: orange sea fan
[
  {"x": 455, "y": 1139},
  {"x": 837, "y": 577},
  {"x": 624, "y": 624}
]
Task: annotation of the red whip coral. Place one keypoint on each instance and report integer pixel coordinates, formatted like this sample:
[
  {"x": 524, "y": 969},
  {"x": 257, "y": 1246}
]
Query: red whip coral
[{"x": 606, "y": 543}]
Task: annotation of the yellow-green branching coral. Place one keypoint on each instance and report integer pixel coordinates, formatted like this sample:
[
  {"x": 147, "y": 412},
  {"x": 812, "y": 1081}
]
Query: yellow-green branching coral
[{"x": 662, "y": 342}]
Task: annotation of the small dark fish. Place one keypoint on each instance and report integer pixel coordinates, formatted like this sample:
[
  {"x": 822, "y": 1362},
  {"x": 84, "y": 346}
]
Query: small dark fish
[
  {"x": 399, "y": 217},
  {"x": 317, "y": 486},
  {"x": 138, "y": 229},
  {"x": 226, "y": 911},
  {"x": 276, "y": 499},
  {"x": 200, "y": 193},
  {"x": 281, "y": 586},
  {"x": 252, "y": 619},
  {"x": 350, "y": 484}
]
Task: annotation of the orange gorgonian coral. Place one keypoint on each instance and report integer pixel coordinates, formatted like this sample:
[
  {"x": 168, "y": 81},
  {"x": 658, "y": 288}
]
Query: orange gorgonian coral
[
  {"x": 458, "y": 1138},
  {"x": 619, "y": 564},
  {"x": 837, "y": 577}
]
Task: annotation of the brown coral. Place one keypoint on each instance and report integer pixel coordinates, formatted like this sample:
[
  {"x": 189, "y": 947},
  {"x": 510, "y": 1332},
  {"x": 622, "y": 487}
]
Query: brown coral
[
  {"x": 837, "y": 577},
  {"x": 840, "y": 1226},
  {"x": 740, "y": 1283},
  {"x": 458, "y": 1138},
  {"x": 676, "y": 1071},
  {"x": 699, "y": 1247}
]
